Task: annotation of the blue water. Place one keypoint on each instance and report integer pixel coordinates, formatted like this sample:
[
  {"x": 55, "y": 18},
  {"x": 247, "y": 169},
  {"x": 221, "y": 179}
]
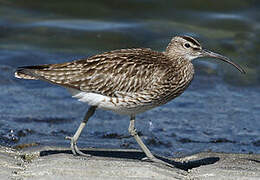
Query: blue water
[{"x": 219, "y": 112}]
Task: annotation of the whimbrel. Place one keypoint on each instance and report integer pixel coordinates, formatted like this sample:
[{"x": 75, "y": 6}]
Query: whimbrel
[{"x": 126, "y": 81}]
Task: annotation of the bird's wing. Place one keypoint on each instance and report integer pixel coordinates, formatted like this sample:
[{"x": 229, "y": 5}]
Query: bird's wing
[{"x": 117, "y": 73}]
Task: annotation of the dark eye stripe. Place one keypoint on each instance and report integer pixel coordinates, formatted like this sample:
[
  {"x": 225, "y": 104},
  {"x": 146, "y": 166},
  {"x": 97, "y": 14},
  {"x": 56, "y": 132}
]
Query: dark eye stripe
[
  {"x": 193, "y": 41},
  {"x": 195, "y": 48}
]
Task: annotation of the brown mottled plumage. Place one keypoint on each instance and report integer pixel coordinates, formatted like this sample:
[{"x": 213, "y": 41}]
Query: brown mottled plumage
[
  {"x": 127, "y": 81},
  {"x": 147, "y": 78}
]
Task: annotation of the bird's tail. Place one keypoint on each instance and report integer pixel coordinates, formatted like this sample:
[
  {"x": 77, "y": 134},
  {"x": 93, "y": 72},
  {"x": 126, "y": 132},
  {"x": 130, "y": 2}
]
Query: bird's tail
[
  {"x": 59, "y": 74},
  {"x": 29, "y": 72},
  {"x": 52, "y": 73}
]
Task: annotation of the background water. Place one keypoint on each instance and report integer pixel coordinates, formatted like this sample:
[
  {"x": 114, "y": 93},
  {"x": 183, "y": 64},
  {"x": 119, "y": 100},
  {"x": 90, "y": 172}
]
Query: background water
[{"x": 219, "y": 111}]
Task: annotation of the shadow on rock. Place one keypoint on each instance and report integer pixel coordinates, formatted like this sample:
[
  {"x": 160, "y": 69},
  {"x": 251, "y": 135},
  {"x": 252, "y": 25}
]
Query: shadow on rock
[{"x": 137, "y": 155}]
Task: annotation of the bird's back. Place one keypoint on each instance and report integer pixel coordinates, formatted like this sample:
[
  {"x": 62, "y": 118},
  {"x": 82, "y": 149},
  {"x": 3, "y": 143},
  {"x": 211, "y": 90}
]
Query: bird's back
[{"x": 129, "y": 77}]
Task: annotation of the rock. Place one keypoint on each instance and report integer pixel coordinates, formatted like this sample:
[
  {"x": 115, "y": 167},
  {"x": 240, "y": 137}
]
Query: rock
[{"x": 58, "y": 163}]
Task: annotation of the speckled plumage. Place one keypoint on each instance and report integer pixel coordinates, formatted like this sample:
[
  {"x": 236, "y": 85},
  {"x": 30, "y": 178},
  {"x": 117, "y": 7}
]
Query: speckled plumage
[
  {"x": 126, "y": 81},
  {"x": 134, "y": 79}
]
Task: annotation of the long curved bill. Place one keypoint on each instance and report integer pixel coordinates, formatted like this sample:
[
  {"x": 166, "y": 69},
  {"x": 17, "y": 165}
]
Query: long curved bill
[{"x": 207, "y": 53}]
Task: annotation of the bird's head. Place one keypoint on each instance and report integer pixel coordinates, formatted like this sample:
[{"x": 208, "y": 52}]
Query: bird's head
[{"x": 189, "y": 48}]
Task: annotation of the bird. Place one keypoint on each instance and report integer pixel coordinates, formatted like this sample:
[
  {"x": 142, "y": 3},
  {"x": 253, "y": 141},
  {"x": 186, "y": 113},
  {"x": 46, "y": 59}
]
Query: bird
[{"x": 126, "y": 81}]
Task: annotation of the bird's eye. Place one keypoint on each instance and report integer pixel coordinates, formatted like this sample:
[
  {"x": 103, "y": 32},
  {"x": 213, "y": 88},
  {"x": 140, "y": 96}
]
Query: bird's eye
[{"x": 187, "y": 45}]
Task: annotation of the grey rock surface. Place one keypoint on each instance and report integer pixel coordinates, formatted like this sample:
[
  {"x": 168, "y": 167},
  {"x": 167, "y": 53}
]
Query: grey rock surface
[{"x": 58, "y": 163}]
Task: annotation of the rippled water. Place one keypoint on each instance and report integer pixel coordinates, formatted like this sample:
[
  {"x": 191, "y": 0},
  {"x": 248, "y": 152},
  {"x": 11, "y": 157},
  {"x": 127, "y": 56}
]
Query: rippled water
[{"x": 219, "y": 112}]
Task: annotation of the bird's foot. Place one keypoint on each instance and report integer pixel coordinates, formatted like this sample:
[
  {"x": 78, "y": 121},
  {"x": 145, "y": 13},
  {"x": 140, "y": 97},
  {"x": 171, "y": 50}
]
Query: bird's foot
[
  {"x": 156, "y": 160},
  {"x": 133, "y": 132},
  {"x": 74, "y": 147}
]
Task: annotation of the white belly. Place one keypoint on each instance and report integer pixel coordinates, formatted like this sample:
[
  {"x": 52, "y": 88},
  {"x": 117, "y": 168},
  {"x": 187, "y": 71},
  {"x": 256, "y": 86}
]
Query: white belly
[{"x": 118, "y": 105}]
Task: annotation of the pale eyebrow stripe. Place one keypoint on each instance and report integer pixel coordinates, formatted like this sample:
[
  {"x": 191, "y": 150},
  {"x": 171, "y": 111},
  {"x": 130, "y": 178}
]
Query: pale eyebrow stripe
[{"x": 191, "y": 40}]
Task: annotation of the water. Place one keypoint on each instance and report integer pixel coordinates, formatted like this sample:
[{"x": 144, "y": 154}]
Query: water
[{"x": 219, "y": 112}]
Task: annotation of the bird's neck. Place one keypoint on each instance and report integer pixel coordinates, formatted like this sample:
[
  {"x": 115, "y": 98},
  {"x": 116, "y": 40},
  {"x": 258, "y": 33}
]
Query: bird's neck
[
  {"x": 184, "y": 72},
  {"x": 181, "y": 66}
]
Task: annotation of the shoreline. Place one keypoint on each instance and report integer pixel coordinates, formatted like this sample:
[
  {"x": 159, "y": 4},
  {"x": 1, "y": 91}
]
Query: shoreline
[{"x": 46, "y": 162}]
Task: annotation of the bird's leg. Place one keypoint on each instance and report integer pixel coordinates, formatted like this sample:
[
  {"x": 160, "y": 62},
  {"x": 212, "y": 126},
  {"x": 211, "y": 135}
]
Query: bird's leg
[
  {"x": 150, "y": 156},
  {"x": 73, "y": 140}
]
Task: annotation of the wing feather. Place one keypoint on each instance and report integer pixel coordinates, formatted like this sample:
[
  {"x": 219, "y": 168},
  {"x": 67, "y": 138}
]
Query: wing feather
[{"x": 127, "y": 72}]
